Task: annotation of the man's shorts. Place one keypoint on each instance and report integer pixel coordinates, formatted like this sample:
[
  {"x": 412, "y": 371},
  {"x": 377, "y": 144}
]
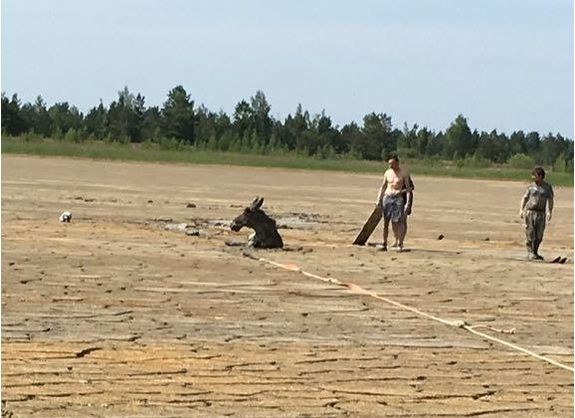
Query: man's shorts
[{"x": 392, "y": 207}]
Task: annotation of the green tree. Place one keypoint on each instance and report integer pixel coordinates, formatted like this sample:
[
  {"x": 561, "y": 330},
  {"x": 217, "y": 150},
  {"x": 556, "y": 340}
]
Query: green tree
[
  {"x": 521, "y": 161},
  {"x": 350, "y": 136},
  {"x": 178, "y": 115},
  {"x": 205, "y": 124},
  {"x": 152, "y": 124},
  {"x": 435, "y": 145},
  {"x": 561, "y": 164},
  {"x": 551, "y": 147},
  {"x": 260, "y": 113},
  {"x": 137, "y": 118},
  {"x": 533, "y": 143},
  {"x": 222, "y": 124},
  {"x": 295, "y": 128},
  {"x": 422, "y": 140},
  {"x": 226, "y": 140},
  {"x": 96, "y": 121},
  {"x": 408, "y": 137},
  {"x": 243, "y": 118},
  {"x": 13, "y": 121},
  {"x": 517, "y": 143},
  {"x": 65, "y": 117},
  {"x": 36, "y": 117},
  {"x": 502, "y": 148},
  {"x": 493, "y": 146},
  {"x": 120, "y": 114},
  {"x": 376, "y": 137},
  {"x": 458, "y": 139},
  {"x": 281, "y": 135},
  {"x": 126, "y": 117},
  {"x": 320, "y": 134}
]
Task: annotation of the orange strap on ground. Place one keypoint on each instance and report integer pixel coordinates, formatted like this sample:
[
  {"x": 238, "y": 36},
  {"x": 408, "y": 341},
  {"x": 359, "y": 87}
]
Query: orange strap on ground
[{"x": 352, "y": 287}]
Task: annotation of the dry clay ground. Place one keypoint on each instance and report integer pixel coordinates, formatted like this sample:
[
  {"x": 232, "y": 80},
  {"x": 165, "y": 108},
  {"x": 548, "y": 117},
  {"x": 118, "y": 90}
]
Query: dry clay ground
[{"x": 121, "y": 313}]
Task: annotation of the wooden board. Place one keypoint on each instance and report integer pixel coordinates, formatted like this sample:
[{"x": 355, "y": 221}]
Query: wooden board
[{"x": 368, "y": 227}]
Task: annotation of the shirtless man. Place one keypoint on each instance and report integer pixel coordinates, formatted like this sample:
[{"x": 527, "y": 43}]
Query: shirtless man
[{"x": 394, "y": 199}]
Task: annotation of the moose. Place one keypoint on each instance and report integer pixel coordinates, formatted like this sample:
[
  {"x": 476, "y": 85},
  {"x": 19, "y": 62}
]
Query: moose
[{"x": 266, "y": 234}]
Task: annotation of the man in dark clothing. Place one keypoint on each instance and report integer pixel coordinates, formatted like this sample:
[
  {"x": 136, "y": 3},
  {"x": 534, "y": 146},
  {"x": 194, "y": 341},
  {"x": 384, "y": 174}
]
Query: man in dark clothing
[{"x": 536, "y": 208}]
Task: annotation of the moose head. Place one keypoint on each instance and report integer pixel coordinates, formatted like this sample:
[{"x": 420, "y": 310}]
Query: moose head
[{"x": 266, "y": 233}]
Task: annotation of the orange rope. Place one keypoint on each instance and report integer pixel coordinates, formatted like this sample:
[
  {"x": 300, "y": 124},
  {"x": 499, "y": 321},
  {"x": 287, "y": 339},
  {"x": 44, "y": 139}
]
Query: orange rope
[{"x": 352, "y": 287}]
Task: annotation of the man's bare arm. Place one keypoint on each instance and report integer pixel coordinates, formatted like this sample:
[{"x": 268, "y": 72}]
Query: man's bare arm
[
  {"x": 381, "y": 191},
  {"x": 408, "y": 201}
]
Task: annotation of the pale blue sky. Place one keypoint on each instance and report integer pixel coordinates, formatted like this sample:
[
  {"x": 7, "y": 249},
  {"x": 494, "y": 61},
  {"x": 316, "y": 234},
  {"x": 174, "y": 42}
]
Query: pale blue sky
[{"x": 504, "y": 64}]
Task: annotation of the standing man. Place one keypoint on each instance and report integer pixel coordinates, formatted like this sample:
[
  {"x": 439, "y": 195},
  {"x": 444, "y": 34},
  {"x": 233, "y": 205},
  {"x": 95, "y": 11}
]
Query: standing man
[
  {"x": 394, "y": 199},
  {"x": 408, "y": 189},
  {"x": 536, "y": 207}
]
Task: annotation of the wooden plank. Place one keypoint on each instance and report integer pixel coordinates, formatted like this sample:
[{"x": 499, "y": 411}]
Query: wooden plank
[{"x": 368, "y": 227}]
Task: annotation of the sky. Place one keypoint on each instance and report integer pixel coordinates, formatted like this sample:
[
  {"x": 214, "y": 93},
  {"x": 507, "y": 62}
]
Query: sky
[{"x": 503, "y": 64}]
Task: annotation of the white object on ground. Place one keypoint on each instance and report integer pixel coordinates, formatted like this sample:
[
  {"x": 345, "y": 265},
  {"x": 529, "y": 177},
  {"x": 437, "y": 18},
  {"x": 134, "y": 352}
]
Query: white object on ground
[{"x": 66, "y": 216}]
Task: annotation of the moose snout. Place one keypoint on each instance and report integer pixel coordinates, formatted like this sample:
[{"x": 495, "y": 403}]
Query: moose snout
[{"x": 235, "y": 226}]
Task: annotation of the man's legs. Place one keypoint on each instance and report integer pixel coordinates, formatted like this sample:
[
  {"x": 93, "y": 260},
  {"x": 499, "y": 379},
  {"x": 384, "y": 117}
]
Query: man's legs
[
  {"x": 400, "y": 227},
  {"x": 399, "y": 232},
  {"x": 539, "y": 228},
  {"x": 393, "y": 211},
  {"x": 529, "y": 235},
  {"x": 403, "y": 231},
  {"x": 401, "y": 236},
  {"x": 385, "y": 231},
  {"x": 404, "y": 227}
]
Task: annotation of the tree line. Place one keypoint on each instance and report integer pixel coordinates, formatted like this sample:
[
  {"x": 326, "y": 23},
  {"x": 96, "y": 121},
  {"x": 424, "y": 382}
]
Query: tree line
[{"x": 180, "y": 123}]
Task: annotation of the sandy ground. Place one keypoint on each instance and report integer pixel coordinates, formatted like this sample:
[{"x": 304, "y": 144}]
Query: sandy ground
[{"x": 120, "y": 313}]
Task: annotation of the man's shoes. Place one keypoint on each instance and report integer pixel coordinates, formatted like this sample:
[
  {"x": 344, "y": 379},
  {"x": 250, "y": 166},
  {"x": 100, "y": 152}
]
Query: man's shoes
[
  {"x": 531, "y": 256},
  {"x": 538, "y": 257},
  {"x": 381, "y": 247}
]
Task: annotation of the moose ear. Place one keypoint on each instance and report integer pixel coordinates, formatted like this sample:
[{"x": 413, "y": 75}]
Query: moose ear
[{"x": 254, "y": 204}]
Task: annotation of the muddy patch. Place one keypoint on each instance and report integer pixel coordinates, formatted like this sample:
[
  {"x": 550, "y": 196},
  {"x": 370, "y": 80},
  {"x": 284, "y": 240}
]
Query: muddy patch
[{"x": 299, "y": 220}]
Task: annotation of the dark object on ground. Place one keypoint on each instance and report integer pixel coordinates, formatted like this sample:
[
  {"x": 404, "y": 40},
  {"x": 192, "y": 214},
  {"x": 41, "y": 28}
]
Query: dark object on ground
[
  {"x": 559, "y": 260},
  {"x": 231, "y": 243},
  {"x": 368, "y": 227},
  {"x": 297, "y": 248},
  {"x": 191, "y": 205},
  {"x": 266, "y": 233},
  {"x": 440, "y": 237}
]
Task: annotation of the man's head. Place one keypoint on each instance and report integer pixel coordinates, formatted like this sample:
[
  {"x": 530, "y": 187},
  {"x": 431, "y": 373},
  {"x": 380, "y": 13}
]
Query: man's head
[
  {"x": 538, "y": 174},
  {"x": 393, "y": 161}
]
